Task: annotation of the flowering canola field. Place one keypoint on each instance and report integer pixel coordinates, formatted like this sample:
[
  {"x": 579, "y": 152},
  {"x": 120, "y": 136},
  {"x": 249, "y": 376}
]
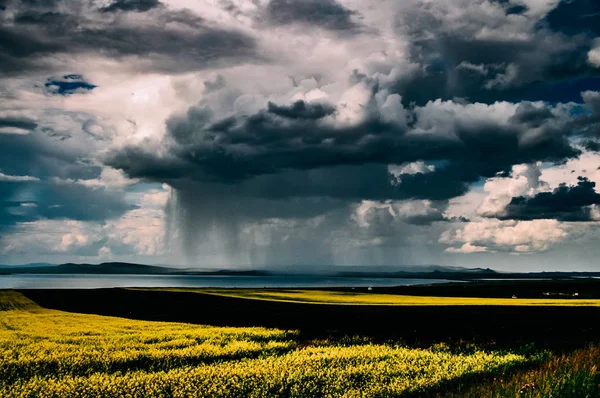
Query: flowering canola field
[
  {"x": 357, "y": 298},
  {"x": 47, "y": 353}
]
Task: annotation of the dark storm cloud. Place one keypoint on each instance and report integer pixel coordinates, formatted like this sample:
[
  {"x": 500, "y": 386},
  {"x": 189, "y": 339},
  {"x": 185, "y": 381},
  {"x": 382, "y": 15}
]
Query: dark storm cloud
[
  {"x": 42, "y": 18},
  {"x": 511, "y": 61},
  {"x": 278, "y": 143},
  {"x": 222, "y": 199},
  {"x": 56, "y": 170},
  {"x": 565, "y": 203},
  {"x": 347, "y": 183},
  {"x": 45, "y": 156},
  {"x": 593, "y": 146},
  {"x": 17, "y": 50},
  {"x": 49, "y": 200},
  {"x": 18, "y": 122},
  {"x": 385, "y": 221},
  {"x": 426, "y": 219},
  {"x": 326, "y": 14},
  {"x": 301, "y": 110},
  {"x": 532, "y": 116},
  {"x": 38, "y": 3},
  {"x": 33, "y": 34},
  {"x": 587, "y": 119},
  {"x": 429, "y": 217},
  {"x": 132, "y": 5},
  {"x": 515, "y": 9},
  {"x": 78, "y": 202},
  {"x": 592, "y": 100}
]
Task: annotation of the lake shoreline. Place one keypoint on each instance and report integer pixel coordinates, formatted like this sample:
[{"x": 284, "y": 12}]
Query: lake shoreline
[{"x": 98, "y": 281}]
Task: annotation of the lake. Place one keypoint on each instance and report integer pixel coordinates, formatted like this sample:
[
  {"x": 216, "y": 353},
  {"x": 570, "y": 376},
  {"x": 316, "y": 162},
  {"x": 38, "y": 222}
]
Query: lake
[{"x": 92, "y": 281}]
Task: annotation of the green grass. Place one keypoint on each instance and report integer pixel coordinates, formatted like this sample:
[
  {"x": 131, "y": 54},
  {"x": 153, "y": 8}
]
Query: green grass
[
  {"x": 572, "y": 375},
  {"x": 352, "y": 298},
  {"x": 10, "y": 300}
]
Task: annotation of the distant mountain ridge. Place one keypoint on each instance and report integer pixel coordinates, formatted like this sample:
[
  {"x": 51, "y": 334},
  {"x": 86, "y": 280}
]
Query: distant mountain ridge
[
  {"x": 113, "y": 268},
  {"x": 123, "y": 268},
  {"x": 71, "y": 268},
  {"x": 380, "y": 271},
  {"x": 386, "y": 269}
]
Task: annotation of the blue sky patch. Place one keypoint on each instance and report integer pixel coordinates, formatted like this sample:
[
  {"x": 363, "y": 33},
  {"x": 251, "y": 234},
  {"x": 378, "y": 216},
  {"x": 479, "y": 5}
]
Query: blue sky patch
[{"x": 69, "y": 84}]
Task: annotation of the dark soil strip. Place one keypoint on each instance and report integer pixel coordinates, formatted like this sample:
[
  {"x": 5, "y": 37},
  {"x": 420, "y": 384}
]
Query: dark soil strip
[{"x": 510, "y": 326}]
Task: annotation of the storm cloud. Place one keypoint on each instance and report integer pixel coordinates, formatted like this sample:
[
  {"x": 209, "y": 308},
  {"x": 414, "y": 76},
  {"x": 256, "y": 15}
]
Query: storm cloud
[
  {"x": 16, "y": 124},
  {"x": 565, "y": 203},
  {"x": 56, "y": 200},
  {"x": 131, "y": 5},
  {"x": 486, "y": 52},
  {"x": 283, "y": 139},
  {"x": 32, "y": 34},
  {"x": 326, "y": 14},
  {"x": 297, "y": 133}
]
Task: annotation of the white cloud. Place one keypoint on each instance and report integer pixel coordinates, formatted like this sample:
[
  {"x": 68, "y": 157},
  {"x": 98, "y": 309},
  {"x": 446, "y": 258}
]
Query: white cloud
[
  {"x": 481, "y": 68},
  {"x": 353, "y": 105},
  {"x": 110, "y": 179},
  {"x": 9, "y": 178},
  {"x": 389, "y": 212},
  {"x": 441, "y": 118},
  {"x": 410, "y": 168},
  {"x": 72, "y": 241},
  {"x": 537, "y": 8},
  {"x": 506, "y": 236},
  {"x": 50, "y": 236},
  {"x": 587, "y": 165},
  {"x": 467, "y": 204},
  {"x": 156, "y": 198},
  {"x": 105, "y": 253},
  {"x": 595, "y": 212},
  {"x": 466, "y": 248},
  {"x": 142, "y": 229},
  {"x": 362, "y": 210},
  {"x": 594, "y": 54},
  {"x": 524, "y": 180},
  {"x": 13, "y": 130}
]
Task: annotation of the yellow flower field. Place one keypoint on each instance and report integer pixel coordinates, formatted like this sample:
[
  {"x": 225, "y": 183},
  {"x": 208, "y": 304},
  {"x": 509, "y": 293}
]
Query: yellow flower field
[
  {"x": 48, "y": 353},
  {"x": 351, "y": 298}
]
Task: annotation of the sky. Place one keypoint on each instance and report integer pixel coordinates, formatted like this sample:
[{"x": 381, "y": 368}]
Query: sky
[{"x": 301, "y": 133}]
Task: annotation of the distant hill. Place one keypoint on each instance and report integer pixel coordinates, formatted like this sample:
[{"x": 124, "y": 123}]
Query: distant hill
[
  {"x": 425, "y": 272},
  {"x": 30, "y": 265},
  {"x": 408, "y": 269},
  {"x": 380, "y": 271},
  {"x": 115, "y": 268},
  {"x": 70, "y": 268}
]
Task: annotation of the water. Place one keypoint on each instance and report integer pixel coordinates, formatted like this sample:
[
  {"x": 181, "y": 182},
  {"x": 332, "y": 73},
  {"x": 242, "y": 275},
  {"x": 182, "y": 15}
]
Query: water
[
  {"x": 514, "y": 279},
  {"x": 89, "y": 281}
]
